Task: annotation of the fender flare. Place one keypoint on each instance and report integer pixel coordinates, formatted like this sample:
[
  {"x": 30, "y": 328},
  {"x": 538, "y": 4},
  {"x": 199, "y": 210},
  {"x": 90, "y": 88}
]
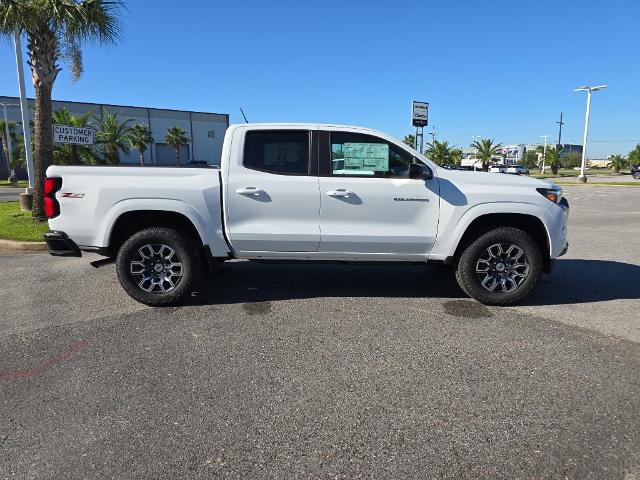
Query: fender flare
[
  {"x": 157, "y": 204},
  {"x": 448, "y": 241}
]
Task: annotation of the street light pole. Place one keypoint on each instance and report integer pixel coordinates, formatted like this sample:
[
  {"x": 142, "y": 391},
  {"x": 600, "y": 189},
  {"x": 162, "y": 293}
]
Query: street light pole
[
  {"x": 475, "y": 149},
  {"x": 544, "y": 153},
  {"x": 589, "y": 90},
  {"x": 24, "y": 107}
]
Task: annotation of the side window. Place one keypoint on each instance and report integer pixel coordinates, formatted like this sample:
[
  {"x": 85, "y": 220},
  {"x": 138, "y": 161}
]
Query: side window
[
  {"x": 284, "y": 152},
  {"x": 365, "y": 155}
]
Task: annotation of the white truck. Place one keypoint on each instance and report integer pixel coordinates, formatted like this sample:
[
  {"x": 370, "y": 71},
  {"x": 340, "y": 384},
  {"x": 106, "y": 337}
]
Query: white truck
[{"x": 301, "y": 192}]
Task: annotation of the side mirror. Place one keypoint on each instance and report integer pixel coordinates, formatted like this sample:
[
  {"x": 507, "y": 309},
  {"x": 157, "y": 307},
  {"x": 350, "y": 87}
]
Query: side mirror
[{"x": 419, "y": 171}]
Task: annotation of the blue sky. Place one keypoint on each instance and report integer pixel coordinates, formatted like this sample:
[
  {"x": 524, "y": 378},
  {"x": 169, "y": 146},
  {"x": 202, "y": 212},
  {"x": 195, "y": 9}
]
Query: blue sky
[{"x": 500, "y": 69}]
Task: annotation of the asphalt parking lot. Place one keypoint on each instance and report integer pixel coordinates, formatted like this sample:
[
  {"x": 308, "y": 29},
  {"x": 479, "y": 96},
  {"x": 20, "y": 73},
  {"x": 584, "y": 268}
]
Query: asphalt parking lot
[{"x": 330, "y": 372}]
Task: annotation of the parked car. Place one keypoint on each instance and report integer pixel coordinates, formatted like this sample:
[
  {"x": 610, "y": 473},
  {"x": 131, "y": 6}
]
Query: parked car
[
  {"x": 635, "y": 171},
  {"x": 278, "y": 197},
  {"x": 517, "y": 170},
  {"x": 496, "y": 168}
]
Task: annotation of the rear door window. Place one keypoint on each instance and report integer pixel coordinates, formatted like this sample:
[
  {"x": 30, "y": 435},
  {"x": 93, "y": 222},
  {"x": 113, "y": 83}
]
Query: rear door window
[{"x": 283, "y": 152}]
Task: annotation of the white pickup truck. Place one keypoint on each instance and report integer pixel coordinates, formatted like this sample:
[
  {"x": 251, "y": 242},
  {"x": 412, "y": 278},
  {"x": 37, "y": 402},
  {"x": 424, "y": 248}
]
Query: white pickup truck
[{"x": 300, "y": 192}]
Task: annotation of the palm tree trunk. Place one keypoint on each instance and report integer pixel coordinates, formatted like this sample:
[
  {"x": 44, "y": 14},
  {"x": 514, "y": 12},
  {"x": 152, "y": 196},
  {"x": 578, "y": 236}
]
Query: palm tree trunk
[
  {"x": 112, "y": 155},
  {"x": 43, "y": 55},
  {"x": 141, "y": 158},
  {"x": 5, "y": 148},
  {"x": 178, "y": 156},
  {"x": 44, "y": 146}
]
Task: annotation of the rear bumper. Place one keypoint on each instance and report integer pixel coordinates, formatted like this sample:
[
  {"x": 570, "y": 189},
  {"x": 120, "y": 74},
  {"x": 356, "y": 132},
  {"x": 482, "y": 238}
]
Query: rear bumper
[{"x": 60, "y": 245}]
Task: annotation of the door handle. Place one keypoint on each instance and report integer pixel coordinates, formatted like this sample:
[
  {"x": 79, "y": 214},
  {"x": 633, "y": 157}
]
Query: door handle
[
  {"x": 250, "y": 191},
  {"x": 340, "y": 193}
]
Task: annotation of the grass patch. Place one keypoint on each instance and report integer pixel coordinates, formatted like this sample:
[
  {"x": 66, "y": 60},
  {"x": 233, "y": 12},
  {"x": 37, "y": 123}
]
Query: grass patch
[
  {"x": 600, "y": 184},
  {"x": 567, "y": 172},
  {"x": 18, "y": 184},
  {"x": 18, "y": 225}
]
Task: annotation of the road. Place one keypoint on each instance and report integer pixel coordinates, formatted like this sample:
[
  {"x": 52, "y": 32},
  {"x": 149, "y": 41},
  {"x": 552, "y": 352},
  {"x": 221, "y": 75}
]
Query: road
[
  {"x": 10, "y": 194},
  {"x": 330, "y": 372}
]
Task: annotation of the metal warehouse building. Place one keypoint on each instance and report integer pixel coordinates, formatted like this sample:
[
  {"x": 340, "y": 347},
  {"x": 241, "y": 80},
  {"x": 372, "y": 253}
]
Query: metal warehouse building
[{"x": 205, "y": 130}]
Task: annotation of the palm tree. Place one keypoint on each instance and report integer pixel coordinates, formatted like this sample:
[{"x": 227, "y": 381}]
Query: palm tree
[
  {"x": 409, "y": 140},
  {"x": 486, "y": 150},
  {"x": 618, "y": 162},
  {"x": 139, "y": 138},
  {"x": 176, "y": 137},
  {"x": 634, "y": 156},
  {"x": 456, "y": 156},
  {"x": 64, "y": 154},
  {"x": 553, "y": 159},
  {"x": 112, "y": 137},
  {"x": 6, "y": 140},
  {"x": 55, "y": 28},
  {"x": 439, "y": 152}
]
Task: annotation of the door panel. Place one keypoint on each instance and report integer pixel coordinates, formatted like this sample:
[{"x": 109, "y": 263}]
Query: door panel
[
  {"x": 368, "y": 203},
  {"x": 273, "y": 202},
  {"x": 379, "y": 215}
]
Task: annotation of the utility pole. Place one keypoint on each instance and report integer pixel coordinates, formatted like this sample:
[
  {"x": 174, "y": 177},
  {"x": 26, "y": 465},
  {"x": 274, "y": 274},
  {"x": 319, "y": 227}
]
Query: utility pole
[
  {"x": 433, "y": 134},
  {"x": 560, "y": 123}
]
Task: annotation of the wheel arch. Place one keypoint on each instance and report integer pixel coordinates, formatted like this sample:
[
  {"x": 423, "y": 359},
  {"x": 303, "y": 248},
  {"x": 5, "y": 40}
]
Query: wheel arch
[
  {"x": 132, "y": 221},
  {"x": 526, "y": 222}
]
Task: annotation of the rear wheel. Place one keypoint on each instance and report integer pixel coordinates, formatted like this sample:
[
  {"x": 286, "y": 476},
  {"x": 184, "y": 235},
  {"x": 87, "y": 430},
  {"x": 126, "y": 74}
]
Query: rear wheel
[
  {"x": 159, "y": 266},
  {"x": 636, "y": 175},
  {"x": 501, "y": 267}
]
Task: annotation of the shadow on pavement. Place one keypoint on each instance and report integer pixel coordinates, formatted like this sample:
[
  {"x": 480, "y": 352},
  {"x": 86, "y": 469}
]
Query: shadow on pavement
[
  {"x": 241, "y": 282},
  {"x": 585, "y": 281},
  {"x": 572, "y": 281}
]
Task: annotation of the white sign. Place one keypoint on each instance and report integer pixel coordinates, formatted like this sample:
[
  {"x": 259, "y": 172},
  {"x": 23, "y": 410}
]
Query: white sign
[
  {"x": 73, "y": 135},
  {"x": 420, "y": 114}
]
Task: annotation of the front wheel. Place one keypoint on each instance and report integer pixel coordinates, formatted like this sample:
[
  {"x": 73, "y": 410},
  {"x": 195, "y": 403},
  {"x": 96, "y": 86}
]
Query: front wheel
[
  {"x": 501, "y": 267},
  {"x": 158, "y": 266},
  {"x": 636, "y": 175}
]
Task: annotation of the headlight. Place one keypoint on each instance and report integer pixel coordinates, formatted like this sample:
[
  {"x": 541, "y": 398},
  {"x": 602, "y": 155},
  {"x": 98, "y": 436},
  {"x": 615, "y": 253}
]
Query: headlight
[{"x": 553, "y": 194}]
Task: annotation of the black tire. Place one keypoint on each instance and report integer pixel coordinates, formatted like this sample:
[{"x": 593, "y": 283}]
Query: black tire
[
  {"x": 185, "y": 250},
  {"x": 636, "y": 175},
  {"x": 474, "y": 256}
]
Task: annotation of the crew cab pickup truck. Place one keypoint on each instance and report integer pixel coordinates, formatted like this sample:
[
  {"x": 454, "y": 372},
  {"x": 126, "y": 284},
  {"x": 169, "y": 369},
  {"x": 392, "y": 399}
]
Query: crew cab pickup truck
[{"x": 300, "y": 192}]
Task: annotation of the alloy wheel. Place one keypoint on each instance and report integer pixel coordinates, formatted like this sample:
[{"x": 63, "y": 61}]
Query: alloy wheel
[
  {"x": 156, "y": 268},
  {"x": 502, "y": 267}
]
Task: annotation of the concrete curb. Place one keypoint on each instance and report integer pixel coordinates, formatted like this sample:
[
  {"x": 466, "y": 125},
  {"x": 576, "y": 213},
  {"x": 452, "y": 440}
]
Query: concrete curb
[{"x": 13, "y": 246}]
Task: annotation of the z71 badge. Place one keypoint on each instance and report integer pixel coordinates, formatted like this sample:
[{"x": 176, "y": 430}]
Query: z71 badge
[{"x": 72, "y": 195}]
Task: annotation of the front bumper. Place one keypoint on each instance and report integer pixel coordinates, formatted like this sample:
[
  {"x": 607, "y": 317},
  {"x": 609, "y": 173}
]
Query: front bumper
[
  {"x": 564, "y": 250},
  {"x": 60, "y": 245}
]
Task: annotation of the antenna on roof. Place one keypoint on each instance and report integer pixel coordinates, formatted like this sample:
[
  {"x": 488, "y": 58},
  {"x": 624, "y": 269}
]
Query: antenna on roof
[{"x": 245, "y": 117}]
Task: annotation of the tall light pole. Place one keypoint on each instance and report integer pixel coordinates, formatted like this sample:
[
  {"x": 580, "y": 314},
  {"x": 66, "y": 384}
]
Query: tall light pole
[
  {"x": 475, "y": 138},
  {"x": 544, "y": 153},
  {"x": 24, "y": 107},
  {"x": 589, "y": 90}
]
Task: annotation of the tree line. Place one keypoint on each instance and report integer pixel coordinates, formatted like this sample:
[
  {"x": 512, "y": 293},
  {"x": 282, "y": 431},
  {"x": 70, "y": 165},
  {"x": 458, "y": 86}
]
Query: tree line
[{"x": 441, "y": 153}]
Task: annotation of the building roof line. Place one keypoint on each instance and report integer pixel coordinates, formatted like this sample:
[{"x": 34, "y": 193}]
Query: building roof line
[{"x": 122, "y": 106}]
